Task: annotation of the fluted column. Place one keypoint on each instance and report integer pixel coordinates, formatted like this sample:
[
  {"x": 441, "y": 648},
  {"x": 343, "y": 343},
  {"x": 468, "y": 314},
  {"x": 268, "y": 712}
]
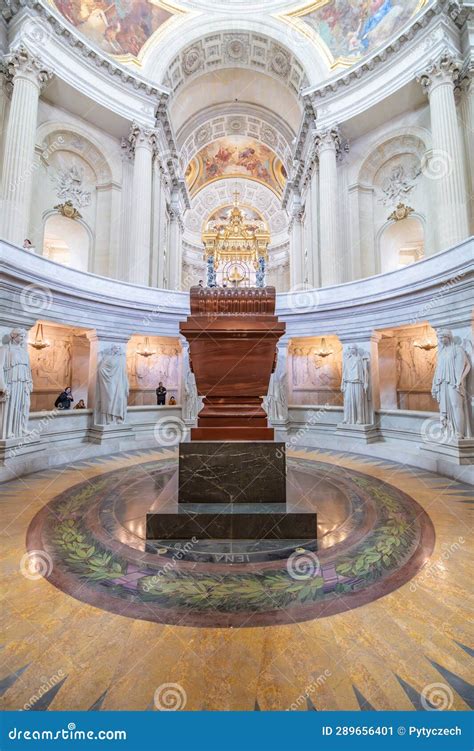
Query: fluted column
[
  {"x": 175, "y": 250},
  {"x": 143, "y": 141},
  {"x": 29, "y": 76},
  {"x": 328, "y": 143},
  {"x": 446, "y": 166},
  {"x": 297, "y": 259},
  {"x": 466, "y": 108}
]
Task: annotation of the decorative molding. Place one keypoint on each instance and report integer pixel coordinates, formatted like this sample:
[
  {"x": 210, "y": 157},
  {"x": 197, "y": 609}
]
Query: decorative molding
[
  {"x": 20, "y": 62},
  {"x": 236, "y": 50},
  {"x": 444, "y": 69},
  {"x": 401, "y": 212}
]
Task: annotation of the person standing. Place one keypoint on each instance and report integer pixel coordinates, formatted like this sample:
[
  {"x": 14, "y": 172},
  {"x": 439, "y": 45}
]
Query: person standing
[{"x": 161, "y": 395}]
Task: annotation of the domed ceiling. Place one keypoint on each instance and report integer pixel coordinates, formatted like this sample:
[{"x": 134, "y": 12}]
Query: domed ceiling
[{"x": 342, "y": 30}]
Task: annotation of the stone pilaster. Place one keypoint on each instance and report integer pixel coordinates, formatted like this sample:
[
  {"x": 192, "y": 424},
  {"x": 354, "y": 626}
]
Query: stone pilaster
[
  {"x": 296, "y": 233},
  {"x": 175, "y": 247},
  {"x": 445, "y": 165},
  {"x": 28, "y": 75},
  {"x": 465, "y": 90}
]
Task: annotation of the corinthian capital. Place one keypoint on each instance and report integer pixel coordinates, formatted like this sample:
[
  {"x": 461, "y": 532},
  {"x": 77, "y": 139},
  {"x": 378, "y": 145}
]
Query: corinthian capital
[
  {"x": 445, "y": 69},
  {"x": 22, "y": 64},
  {"x": 330, "y": 138},
  {"x": 141, "y": 136}
]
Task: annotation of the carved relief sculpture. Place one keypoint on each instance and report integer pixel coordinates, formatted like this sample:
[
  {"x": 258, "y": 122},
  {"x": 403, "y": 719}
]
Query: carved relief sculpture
[
  {"x": 276, "y": 403},
  {"x": 450, "y": 387},
  {"x": 112, "y": 388},
  {"x": 16, "y": 385},
  {"x": 356, "y": 387}
]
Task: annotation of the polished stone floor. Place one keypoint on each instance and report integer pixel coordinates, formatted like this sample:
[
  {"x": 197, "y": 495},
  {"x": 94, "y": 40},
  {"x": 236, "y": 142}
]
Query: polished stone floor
[{"x": 93, "y": 619}]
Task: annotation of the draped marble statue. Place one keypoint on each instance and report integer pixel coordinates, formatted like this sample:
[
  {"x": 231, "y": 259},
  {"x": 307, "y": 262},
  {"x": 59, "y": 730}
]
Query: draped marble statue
[
  {"x": 191, "y": 401},
  {"x": 16, "y": 385},
  {"x": 450, "y": 387},
  {"x": 112, "y": 388},
  {"x": 276, "y": 402},
  {"x": 355, "y": 387}
]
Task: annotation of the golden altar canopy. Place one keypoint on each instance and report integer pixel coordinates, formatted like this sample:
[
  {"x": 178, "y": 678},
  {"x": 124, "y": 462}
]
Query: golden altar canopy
[{"x": 237, "y": 241}]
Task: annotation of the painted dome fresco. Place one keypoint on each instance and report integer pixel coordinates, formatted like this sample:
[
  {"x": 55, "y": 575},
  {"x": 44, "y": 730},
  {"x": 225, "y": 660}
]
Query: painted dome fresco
[{"x": 343, "y": 31}]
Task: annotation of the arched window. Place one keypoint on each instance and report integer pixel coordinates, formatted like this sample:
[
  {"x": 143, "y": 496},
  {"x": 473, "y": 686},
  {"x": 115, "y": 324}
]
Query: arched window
[
  {"x": 66, "y": 241},
  {"x": 401, "y": 243}
]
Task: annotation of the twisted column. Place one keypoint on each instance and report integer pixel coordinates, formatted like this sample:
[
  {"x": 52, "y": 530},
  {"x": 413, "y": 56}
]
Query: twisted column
[
  {"x": 446, "y": 165},
  {"x": 28, "y": 75},
  {"x": 328, "y": 143}
]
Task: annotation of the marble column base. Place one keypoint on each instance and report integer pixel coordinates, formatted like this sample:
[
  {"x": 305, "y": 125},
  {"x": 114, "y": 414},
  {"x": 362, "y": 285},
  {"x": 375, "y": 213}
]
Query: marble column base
[
  {"x": 109, "y": 433},
  {"x": 460, "y": 451},
  {"x": 363, "y": 433}
]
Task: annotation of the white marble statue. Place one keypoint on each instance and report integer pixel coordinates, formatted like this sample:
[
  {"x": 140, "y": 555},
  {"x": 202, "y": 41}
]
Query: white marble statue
[
  {"x": 112, "y": 388},
  {"x": 356, "y": 387},
  {"x": 276, "y": 402},
  {"x": 192, "y": 401},
  {"x": 16, "y": 385},
  {"x": 450, "y": 387}
]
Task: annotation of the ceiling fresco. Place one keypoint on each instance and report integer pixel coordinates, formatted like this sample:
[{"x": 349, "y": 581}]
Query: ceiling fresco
[
  {"x": 345, "y": 30},
  {"x": 354, "y": 28},
  {"x": 119, "y": 27},
  {"x": 236, "y": 156}
]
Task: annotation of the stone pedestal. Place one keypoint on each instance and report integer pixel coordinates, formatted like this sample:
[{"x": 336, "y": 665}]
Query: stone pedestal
[
  {"x": 363, "y": 433},
  {"x": 232, "y": 472},
  {"x": 460, "y": 451},
  {"x": 109, "y": 433}
]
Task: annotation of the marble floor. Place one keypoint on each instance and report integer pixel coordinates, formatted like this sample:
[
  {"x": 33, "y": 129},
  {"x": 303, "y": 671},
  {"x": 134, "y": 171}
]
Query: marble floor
[{"x": 86, "y": 626}]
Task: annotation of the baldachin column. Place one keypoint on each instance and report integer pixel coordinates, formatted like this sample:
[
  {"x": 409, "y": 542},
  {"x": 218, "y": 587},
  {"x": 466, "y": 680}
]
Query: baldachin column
[
  {"x": 29, "y": 75},
  {"x": 446, "y": 162}
]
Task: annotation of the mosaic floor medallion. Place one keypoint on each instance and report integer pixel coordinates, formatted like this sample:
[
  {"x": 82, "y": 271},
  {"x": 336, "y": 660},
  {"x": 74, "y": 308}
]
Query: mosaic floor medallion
[{"x": 372, "y": 538}]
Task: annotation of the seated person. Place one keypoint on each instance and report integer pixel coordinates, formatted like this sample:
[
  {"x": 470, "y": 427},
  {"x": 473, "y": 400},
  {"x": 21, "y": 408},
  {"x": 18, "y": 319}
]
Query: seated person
[
  {"x": 64, "y": 399},
  {"x": 172, "y": 401},
  {"x": 80, "y": 404}
]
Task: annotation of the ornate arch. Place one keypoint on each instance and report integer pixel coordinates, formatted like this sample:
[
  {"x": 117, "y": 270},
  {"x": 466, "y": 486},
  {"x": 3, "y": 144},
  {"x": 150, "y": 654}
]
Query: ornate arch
[
  {"x": 57, "y": 136},
  {"x": 412, "y": 140}
]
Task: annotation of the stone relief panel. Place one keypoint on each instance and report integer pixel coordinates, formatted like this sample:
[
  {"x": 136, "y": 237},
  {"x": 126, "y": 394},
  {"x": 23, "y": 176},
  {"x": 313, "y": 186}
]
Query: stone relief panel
[
  {"x": 397, "y": 179},
  {"x": 315, "y": 371},
  {"x": 149, "y": 361},
  {"x": 231, "y": 49},
  {"x": 416, "y": 354}
]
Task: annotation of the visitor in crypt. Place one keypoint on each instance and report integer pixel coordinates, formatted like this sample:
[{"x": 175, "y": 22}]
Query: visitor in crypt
[
  {"x": 161, "y": 395},
  {"x": 80, "y": 404},
  {"x": 64, "y": 399}
]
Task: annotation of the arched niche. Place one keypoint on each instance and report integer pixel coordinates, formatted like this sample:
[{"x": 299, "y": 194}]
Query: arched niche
[
  {"x": 401, "y": 243},
  {"x": 66, "y": 241}
]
